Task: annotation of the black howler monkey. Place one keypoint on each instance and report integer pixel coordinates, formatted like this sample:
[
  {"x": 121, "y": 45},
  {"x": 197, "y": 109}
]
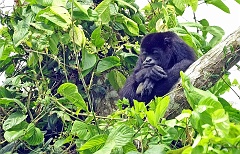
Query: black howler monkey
[{"x": 163, "y": 56}]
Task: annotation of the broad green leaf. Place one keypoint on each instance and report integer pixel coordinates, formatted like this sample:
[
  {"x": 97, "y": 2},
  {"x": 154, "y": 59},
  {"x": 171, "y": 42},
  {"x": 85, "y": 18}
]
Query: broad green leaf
[
  {"x": 5, "y": 49},
  {"x": 20, "y": 32},
  {"x": 179, "y": 4},
  {"x": 217, "y": 33},
  {"x": 103, "y": 11},
  {"x": 193, "y": 4},
  {"x": 194, "y": 95},
  {"x": 151, "y": 118},
  {"x": 53, "y": 44},
  {"x": 107, "y": 63},
  {"x": 123, "y": 3},
  {"x": 215, "y": 30},
  {"x": 58, "y": 15},
  {"x": 238, "y": 1},
  {"x": 131, "y": 26},
  {"x": 192, "y": 24},
  {"x": 161, "y": 107},
  {"x": 36, "y": 138},
  {"x": 211, "y": 103},
  {"x": 6, "y": 101},
  {"x": 11, "y": 136},
  {"x": 221, "y": 86},
  {"x": 117, "y": 138},
  {"x": 221, "y": 121},
  {"x": 59, "y": 2},
  {"x": 82, "y": 9},
  {"x": 96, "y": 38},
  {"x": 45, "y": 2},
  {"x": 70, "y": 91},
  {"x": 4, "y": 93},
  {"x": 32, "y": 59},
  {"x": 77, "y": 36},
  {"x": 156, "y": 149},
  {"x": 82, "y": 130},
  {"x": 43, "y": 27},
  {"x": 29, "y": 131},
  {"x": 63, "y": 141},
  {"x": 219, "y": 4},
  {"x": 95, "y": 143},
  {"x": 116, "y": 79},
  {"x": 88, "y": 60},
  {"x": 13, "y": 120}
]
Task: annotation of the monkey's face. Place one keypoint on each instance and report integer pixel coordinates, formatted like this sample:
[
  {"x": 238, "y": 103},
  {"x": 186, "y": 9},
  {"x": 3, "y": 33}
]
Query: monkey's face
[{"x": 155, "y": 56}]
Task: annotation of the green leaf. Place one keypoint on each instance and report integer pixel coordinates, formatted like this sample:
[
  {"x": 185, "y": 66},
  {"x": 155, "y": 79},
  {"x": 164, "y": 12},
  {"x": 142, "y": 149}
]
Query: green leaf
[
  {"x": 192, "y": 24},
  {"x": 193, "y": 4},
  {"x": 96, "y": 38},
  {"x": 5, "y": 49},
  {"x": 107, "y": 63},
  {"x": 156, "y": 149},
  {"x": 45, "y": 2},
  {"x": 63, "y": 141},
  {"x": 6, "y": 101},
  {"x": 11, "y": 136},
  {"x": 221, "y": 121},
  {"x": 70, "y": 91},
  {"x": 77, "y": 36},
  {"x": 179, "y": 4},
  {"x": 194, "y": 95},
  {"x": 59, "y": 2},
  {"x": 217, "y": 33},
  {"x": 95, "y": 143},
  {"x": 83, "y": 11},
  {"x": 82, "y": 130},
  {"x": 103, "y": 11},
  {"x": 116, "y": 79},
  {"x": 123, "y": 3},
  {"x": 238, "y": 1},
  {"x": 32, "y": 59},
  {"x": 88, "y": 60},
  {"x": 151, "y": 118},
  {"x": 117, "y": 138},
  {"x": 36, "y": 138},
  {"x": 221, "y": 86},
  {"x": 56, "y": 14},
  {"x": 162, "y": 104},
  {"x": 20, "y": 33},
  {"x": 219, "y": 4},
  {"x": 13, "y": 120},
  {"x": 131, "y": 26},
  {"x": 43, "y": 27}
]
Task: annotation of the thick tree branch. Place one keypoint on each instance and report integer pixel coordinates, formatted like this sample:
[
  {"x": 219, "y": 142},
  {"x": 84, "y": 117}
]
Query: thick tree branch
[{"x": 206, "y": 71}]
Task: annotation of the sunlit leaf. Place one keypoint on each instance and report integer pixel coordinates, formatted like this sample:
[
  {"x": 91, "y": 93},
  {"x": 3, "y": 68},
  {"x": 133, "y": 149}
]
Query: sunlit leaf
[{"x": 70, "y": 91}]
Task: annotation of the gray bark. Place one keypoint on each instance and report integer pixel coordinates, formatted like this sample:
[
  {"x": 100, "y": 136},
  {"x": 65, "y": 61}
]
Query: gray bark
[{"x": 206, "y": 71}]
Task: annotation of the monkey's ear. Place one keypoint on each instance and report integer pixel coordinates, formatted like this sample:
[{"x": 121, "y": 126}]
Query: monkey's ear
[{"x": 167, "y": 40}]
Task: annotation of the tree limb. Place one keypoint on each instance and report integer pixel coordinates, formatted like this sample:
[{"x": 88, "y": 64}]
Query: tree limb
[{"x": 206, "y": 71}]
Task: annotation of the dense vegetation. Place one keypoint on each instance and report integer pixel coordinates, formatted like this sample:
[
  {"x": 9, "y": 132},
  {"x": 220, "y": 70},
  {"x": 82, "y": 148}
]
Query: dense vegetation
[{"x": 59, "y": 56}]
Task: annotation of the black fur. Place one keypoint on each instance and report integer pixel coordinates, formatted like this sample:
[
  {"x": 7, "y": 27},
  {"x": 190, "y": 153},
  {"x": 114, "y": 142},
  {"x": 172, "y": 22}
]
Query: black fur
[{"x": 163, "y": 56}]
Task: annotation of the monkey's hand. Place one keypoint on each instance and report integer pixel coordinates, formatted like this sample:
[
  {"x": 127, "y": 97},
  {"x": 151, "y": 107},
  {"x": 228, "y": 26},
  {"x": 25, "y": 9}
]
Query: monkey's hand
[
  {"x": 145, "y": 88},
  {"x": 154, "y": 72},
  {"x": 157, "y": 73},
  {"x": 142, "y": 74}
]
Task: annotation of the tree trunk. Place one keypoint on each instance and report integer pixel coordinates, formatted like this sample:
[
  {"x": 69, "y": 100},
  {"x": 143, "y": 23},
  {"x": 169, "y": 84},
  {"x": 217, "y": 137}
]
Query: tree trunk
[{"x": 206, "y": 71}]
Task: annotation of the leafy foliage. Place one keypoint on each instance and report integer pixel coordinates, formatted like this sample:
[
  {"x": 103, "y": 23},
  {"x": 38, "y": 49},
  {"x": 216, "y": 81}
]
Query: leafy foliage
[{"x": 54, "y": 54}]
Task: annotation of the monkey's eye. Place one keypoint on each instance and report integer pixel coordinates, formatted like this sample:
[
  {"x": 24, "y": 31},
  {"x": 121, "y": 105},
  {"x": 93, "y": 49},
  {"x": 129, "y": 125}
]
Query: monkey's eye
[
  {"x": 144, "y": 53},
  {"x": 167, "y": 41},
  {"x": 155, "y": 51}
]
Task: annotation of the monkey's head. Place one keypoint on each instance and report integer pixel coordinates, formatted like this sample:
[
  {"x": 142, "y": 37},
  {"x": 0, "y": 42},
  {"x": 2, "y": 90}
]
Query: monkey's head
[{"x": 164, "y": 49}]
